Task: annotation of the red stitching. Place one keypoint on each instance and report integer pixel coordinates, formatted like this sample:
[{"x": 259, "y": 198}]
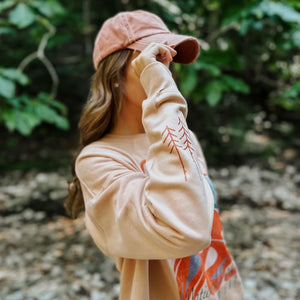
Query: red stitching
[
  {"x": 185, "y": 134},
  {"x": 173, "y": 143}
]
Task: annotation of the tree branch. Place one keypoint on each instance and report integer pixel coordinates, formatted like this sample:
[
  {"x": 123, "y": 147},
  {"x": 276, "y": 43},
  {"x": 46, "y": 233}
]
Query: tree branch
[
  {"x": 40, "y": 54},
  {"x": 53, "y": 74},
  {"x": 27, "y": 60}
]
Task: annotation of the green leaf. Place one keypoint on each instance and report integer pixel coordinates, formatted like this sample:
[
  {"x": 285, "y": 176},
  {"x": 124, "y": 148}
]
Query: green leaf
[
  {"x": 16, "y": 119},
  {"x": 15, "y": 102},
  {"x": 9, "y": 117},
  {"x": 7, "y": 87},
  {"x": 26, "y": 122},
  {"x": 59, "y": 39},
  {"x": 213, "y": 91},
  {"x": 283, "y": 11},
  {"x": 47, "y": 98},
  {"x": 44, "y": 97},
  {"x": 288, "y": 103},
  {"x": 49, "y": 115},
  {"x": 22, "y": 16},
  {"x": 296, "y": 38},
  {"x": 14, "y": 74},
  {"x": 222, "y": 58},
  {"x": 60, "y": 106},
  {"x": 61, "y": 122},
  {"x": 236, "y": 84},
  {"x": 258, "y": 25},
  {"x": 6, "y": 4},
  {"x": 48, "y": 8},
  {"x": 292, "y": 92},
  {"x": 210, "y": 68},
  {"x": 6, "y": 30},
  {"x": 235, "y": 15},
  {"x": 252, "y": 15},
  {"x": 188, "y": 79},
  {"x": 44, "y": 112},
  {"x": 244, "y": 26},
  {"x": 23, "y": 114}
]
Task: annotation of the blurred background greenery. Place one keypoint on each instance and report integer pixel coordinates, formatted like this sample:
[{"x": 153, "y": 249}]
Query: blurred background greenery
[{"x": 243, "y": 90}]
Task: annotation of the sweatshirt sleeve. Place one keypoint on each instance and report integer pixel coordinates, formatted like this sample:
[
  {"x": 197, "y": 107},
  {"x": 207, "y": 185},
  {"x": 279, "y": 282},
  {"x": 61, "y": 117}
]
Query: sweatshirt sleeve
[{"x": 166, "y": 212}]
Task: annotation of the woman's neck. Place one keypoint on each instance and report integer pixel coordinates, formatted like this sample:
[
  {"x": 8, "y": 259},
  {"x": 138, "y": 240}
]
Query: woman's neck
[{"x": 129, "y": 120}]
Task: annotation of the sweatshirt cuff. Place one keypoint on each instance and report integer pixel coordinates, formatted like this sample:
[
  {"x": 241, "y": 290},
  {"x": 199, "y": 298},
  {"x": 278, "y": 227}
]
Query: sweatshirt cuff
[{"x": 157, "y": 77}]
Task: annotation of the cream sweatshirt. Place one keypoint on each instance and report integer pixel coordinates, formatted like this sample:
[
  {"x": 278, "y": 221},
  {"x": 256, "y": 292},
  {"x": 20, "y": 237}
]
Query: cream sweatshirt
[{"x": 150, "y": 205}]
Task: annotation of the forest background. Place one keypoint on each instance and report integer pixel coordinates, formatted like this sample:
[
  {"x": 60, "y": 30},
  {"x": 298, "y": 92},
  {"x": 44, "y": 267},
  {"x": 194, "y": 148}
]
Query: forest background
[
  {"x": 243, "y": 91},
  {"x": 244, "y": 102}
]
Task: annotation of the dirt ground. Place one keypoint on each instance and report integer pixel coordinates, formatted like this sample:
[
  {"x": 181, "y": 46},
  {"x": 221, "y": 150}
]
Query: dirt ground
[{"x": 44, "y": 255}]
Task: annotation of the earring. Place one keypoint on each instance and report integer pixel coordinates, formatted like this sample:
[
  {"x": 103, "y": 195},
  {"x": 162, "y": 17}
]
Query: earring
[{"x": 116, "y": 84}]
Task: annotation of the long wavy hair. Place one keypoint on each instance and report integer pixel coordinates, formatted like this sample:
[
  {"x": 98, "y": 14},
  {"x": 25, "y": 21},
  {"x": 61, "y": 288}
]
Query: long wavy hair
[{"x": 99, "y": 115}]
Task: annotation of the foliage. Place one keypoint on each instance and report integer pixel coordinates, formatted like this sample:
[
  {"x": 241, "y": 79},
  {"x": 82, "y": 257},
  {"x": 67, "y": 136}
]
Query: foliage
[
  {"x": 21, "y": 110},
  {"x": 249, "y": 64},
  {"x": 248, "y": 38}
]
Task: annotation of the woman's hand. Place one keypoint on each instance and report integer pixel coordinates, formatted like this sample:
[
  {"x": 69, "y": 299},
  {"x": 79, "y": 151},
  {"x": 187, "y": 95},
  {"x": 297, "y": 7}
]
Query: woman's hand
[{"x": 152, "y": 53}]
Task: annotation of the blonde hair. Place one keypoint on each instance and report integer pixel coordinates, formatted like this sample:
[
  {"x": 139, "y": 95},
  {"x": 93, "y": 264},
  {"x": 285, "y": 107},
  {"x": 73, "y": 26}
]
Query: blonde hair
[{"x": 99, "y": 115}]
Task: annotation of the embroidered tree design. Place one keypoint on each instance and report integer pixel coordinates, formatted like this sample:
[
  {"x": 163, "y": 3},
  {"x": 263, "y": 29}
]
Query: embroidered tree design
[
  {"x": 187, "y": 143},
  {"x": 170, "y": 137},
  {"x": 185, "y": 137}
]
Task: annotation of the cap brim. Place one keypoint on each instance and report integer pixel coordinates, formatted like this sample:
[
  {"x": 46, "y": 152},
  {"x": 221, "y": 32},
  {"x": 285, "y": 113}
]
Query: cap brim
[{"x": 187, "y": 47}]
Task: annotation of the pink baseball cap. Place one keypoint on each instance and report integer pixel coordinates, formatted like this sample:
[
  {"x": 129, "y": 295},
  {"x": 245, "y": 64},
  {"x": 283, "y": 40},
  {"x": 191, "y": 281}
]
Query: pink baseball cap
[{"x": 136, "y": 30}]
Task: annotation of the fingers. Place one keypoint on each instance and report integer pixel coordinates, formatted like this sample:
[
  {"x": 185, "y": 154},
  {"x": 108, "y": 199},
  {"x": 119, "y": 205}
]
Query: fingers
[
  {"x": 162, "y": 52},
  {"x": 153, "y": 52}
]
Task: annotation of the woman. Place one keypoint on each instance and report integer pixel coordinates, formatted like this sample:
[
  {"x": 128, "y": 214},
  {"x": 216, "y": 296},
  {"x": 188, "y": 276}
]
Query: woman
[{"x": 141, "y": 175}]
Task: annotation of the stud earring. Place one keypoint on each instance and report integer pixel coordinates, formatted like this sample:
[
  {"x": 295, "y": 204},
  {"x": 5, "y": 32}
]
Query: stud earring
[{"x": 116, "y": 84}]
